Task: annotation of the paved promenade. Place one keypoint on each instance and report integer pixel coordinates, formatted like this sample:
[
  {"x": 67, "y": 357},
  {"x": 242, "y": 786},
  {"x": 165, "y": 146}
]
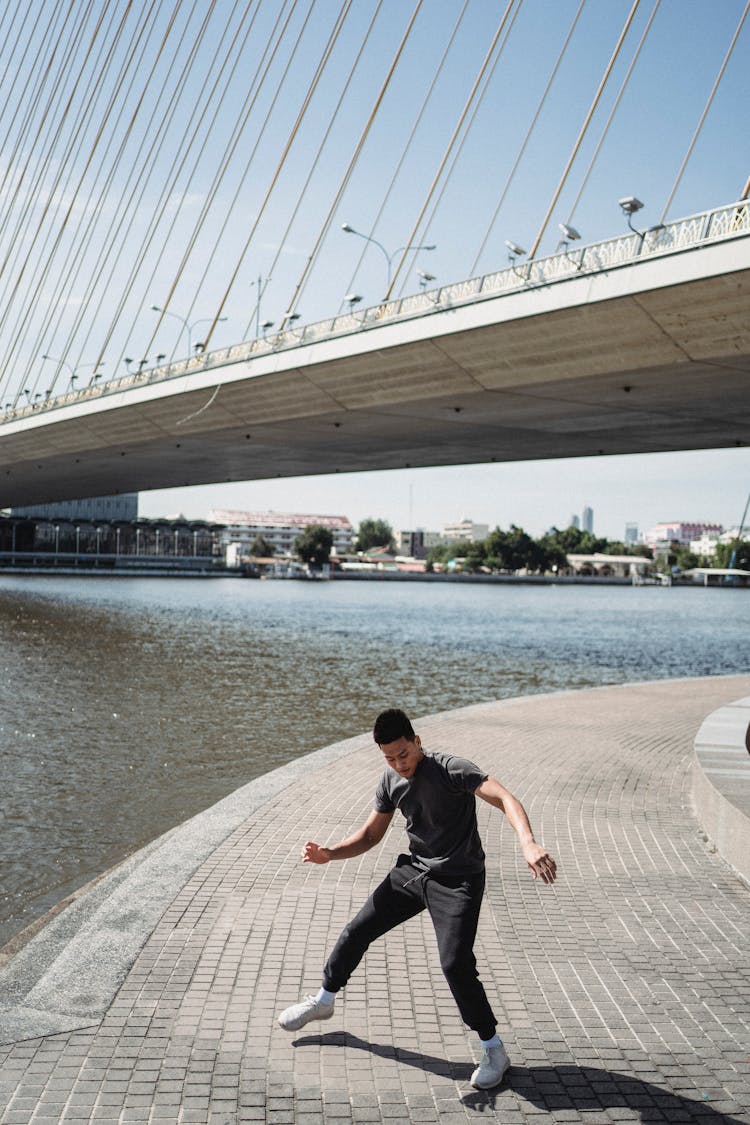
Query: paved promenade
[{"x": 623, "y": 992}]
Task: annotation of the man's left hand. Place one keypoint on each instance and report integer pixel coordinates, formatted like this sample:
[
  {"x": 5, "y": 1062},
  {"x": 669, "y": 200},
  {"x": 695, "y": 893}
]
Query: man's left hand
[{"x": 541, "y": 863}]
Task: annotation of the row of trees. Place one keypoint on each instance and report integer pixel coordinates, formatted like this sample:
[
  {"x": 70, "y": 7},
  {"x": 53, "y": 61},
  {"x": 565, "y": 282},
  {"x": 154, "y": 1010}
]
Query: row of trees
[
  {"x": 510, "y": 550},
  {"x": 515, "y": 550}
]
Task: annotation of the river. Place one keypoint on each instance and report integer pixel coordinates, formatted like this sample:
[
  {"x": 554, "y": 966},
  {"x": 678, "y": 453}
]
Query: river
[{"x": 128, "y": 705}]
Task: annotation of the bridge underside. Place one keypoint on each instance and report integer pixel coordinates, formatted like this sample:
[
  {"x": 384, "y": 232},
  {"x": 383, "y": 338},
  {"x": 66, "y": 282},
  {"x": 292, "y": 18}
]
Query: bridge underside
[{"x": 665, "y": 369}]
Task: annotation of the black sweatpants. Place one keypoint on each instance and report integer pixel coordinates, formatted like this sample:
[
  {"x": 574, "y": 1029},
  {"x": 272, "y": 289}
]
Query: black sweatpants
[{"x": 454, "y": 906}]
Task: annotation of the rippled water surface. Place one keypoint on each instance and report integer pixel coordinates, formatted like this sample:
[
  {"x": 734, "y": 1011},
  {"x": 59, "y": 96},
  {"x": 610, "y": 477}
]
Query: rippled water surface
[{"x": 127, "y": 705}]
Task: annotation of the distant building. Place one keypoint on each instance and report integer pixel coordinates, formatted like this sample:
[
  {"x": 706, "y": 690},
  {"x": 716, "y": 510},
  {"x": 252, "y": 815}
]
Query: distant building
[
  {"x": 123, "y": 507},
  {"x": 631, "y": 534},
  {"x": 574, "y": 522},
  {"x": 705, "y": 547},
  {"x": 417, "y": 544},
  {"x": 466, "y": 529},
  {"x": 679, "y": 531},
  {"x": 279, "y": 529},
  {"x": 587, "y": 520}
]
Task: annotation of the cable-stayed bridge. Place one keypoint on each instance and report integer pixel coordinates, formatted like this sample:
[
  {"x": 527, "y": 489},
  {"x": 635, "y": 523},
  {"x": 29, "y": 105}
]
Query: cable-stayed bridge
[
  {"x": 171, "y": 166},
  {"x": 639, "y": 344}
]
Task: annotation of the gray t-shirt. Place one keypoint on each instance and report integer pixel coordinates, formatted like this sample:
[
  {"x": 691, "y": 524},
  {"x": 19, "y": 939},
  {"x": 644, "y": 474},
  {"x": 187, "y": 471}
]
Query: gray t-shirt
[{"x": 439, "y": 805}]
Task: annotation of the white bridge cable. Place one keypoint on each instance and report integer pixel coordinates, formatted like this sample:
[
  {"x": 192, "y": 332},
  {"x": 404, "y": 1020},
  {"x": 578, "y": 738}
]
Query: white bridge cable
[
  {"x": 613, "y": 111},
  {"x": 409, "y": 141},
  {"x": 89, "y": 198},
  {"x": 321, "y": 150},
  {"x": 529, "y": 133},
  {"x": 27, "y": 251},
  {"x": 34, "y": 149},
  {"x": 478, "y": 103},
  {"x": 413, "y": 237},
  {"x": 703, "y": 116},
  {"x": 241, "y": 125},
  {"x": 584, "y": 129},
  {"x": 126, "y": 202},
  {"x": 146, "y": 172},
  {"x": 18, "y": 122},
  {"x": 307, "y": 98},
  {"x": 304, "y": 277}
]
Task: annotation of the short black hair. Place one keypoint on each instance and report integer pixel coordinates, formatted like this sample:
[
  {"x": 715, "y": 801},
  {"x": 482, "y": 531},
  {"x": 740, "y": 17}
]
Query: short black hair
[{"x": 391, "y": 725}]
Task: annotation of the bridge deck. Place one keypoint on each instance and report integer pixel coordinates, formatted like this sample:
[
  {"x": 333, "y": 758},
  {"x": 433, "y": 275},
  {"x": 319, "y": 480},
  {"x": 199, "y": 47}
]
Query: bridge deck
[{"x": 622, "y": 992}]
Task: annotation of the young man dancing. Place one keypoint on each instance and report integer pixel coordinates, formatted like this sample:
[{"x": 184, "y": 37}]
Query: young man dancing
[{"x": 444, "y": 873}]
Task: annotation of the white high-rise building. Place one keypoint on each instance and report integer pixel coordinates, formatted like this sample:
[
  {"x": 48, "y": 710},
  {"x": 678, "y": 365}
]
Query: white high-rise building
[{"x": 587, "y": 520}]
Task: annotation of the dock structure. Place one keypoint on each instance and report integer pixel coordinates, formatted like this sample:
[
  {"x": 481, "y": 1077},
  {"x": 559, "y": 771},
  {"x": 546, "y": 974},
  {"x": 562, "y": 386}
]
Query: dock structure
[{"x": 623, "y": 991}]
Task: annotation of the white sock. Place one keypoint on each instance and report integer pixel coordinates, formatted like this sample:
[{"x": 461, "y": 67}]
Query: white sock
[
  {"x": 495, "y": 1041},
  {"x": 325, "y": 997}
]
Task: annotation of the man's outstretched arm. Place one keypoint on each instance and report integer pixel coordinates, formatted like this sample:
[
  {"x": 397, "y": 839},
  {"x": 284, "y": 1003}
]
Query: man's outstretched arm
[
  {"x": 537, "y": 857},
  {"x": 370, "y": 834}
]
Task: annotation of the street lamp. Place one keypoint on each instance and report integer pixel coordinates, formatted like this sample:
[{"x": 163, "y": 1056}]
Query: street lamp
[
  {"x": 188, "y": 326},
  {"x": 348, "y": 229},
  {"x": 96, "y": 374}
]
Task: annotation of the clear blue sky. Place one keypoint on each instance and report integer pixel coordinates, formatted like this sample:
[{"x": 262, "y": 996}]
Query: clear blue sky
[{"x": 82, "y": 269}]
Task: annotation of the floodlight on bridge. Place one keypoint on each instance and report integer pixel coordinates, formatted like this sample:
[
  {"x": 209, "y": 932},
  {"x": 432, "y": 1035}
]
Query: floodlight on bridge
[
  {"x": 570, "y": 234},
  {"x": 630, "y": 204},
  {"x": 514, "y": 250}
]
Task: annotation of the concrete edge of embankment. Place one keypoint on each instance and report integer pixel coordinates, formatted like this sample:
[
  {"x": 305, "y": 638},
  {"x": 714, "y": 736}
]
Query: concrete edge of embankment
[
  {"x": 65, "y": 976},
  {"x": 721, "y": 783}
]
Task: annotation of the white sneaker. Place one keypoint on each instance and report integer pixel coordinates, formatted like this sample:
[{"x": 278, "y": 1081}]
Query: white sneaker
[
  {"x": 292, "y": 1019},
  {"x": 491, "y": 1069}
]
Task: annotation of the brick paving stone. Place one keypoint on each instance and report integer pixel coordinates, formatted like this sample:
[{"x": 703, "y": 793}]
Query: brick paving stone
[{"x": 622, "y": 991}]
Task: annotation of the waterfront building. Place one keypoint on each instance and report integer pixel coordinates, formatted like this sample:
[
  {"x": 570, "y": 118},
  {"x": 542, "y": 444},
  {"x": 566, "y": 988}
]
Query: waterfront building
[
  {"x": 417, "y": 544},
  {"x": 465, "y": 529},
  {"x": 122, "y": 507},
  {"x": 587, "y": 520},
  {"x": 681, "y": 532},
  {"x": 705, "y": 546},
  {"x": 279, "y": 529}
]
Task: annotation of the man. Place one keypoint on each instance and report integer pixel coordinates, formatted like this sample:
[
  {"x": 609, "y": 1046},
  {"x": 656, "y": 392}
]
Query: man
[{"x": 444, "y": 873}]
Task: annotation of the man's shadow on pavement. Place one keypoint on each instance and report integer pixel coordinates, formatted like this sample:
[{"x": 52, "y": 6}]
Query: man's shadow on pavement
[{"x": 549, "y": 1088}]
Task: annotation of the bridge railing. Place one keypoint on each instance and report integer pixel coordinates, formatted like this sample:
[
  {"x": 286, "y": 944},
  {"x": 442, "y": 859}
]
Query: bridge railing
[{"x": 721, "y": 223}]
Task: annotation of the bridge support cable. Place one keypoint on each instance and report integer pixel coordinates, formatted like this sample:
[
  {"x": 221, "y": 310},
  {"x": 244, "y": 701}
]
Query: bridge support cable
[
  {"x": 584, "y": 129},
  {"x": 302, "y": 111},
  {"x": 37, "y": 155},
  {"x": 527, "y": 138},
  {"x": 66, "y": 192},
  {"x": 704, "y": 114},
  {"x": 477, "y": 105},
  {"x": 320, "y": 153},
  {"x": 132, "y": 195},
  {"x": 102, "y": 189},
  {"x": 312, "y": 258},
  {"x": 271, "y": 51},
  {"x": 413, "y": 237},
  {"x": 612, "y": 112},
  {"x": 409, "y": 141},
  {"x": 193, "y": 149}
]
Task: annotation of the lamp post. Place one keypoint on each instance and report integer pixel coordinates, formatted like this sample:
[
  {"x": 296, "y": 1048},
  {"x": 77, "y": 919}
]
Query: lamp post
[
  {"x": 261, "y": 284},
  {"x": 188, "y": 326},
  {"x": 348, "y": 229},
  {"x": 96, "y": 374}
]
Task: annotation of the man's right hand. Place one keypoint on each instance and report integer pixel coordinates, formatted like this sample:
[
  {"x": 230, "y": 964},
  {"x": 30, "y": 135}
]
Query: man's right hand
[{"x": 313, "y": 853}]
